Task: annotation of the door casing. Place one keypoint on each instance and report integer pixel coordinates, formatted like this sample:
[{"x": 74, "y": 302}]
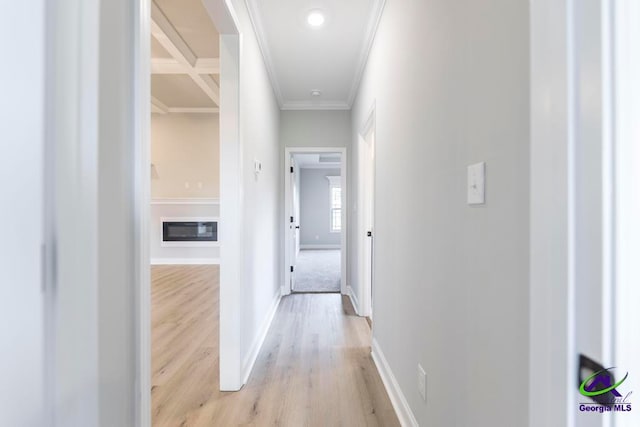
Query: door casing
[{"x": 288, "y": 213}]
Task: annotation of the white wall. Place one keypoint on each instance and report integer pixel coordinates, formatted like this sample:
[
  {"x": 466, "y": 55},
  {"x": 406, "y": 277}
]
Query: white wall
[
  {"x": 117, "y": 281},
  {"x": 315, "y": 208},
  {"x": 450, "y": 81},
  {"x": 185, "y": 149},
  {"x": 259, "y": 120},
  {"x": 315, "y": 128}
]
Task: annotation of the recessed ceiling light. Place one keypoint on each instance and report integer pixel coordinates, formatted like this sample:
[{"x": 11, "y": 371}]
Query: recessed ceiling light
[
  {"x": 315, "y": 18},
  {"x": 316, "y": 93}
]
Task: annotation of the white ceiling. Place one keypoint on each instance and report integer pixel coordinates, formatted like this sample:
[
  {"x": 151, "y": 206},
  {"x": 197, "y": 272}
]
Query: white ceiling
[
  {"x": 184, "y": 58},
  {"x": 300, "y": 58},
  {"x": 317, "y": 161}
]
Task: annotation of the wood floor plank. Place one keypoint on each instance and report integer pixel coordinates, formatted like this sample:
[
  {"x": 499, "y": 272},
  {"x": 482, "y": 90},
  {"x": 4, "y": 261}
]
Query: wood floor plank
[{"x": 314, "y": 370}]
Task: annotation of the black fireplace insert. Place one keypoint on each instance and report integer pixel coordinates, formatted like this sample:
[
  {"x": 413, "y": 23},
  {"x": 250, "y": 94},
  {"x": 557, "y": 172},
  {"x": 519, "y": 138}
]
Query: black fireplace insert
[{"x": 189, "y": 231}]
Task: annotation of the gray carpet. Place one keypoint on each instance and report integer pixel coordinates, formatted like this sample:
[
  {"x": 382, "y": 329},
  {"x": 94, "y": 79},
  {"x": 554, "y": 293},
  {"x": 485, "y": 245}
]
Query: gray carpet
[{"x": 318, "y": 271}]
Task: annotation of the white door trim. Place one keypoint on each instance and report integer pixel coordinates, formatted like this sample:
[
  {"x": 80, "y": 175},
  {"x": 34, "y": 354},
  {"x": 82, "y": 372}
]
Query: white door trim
[
  {"x": 626, "y": 66},
  {"x": 552, "y": 358},
  {"x": 288, "y": 152},
  {"x": 226, "y": 21},
  {"x": 142, "y": 209},
  {"x": 365, "y": 289}
]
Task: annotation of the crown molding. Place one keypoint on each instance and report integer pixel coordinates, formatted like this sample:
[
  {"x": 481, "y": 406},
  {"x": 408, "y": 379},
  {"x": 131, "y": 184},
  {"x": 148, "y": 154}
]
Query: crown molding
[
  {"x": 370, "y": 35},
  {"x": 253, "y": 8},
  {"x": 315, "y": 105}
]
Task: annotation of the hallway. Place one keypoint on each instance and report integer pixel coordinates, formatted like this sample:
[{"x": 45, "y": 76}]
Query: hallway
[{"x": 314, "y": 369}]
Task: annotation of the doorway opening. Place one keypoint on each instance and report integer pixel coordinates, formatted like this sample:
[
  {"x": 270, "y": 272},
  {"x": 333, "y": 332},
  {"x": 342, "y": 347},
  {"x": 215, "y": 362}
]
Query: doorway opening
[
  {"x": 315, "y": 220},
  {"x": 183, "y": 72},
  {"x": 185, "y": 209}
]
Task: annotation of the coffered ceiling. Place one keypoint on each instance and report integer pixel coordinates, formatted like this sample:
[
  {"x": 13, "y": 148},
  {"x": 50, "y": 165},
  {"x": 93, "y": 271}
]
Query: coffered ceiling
[
  {"x": 329, "y": 58},
  {"x": 309, "y": 67},
  {"x": 184, "y": 58}
]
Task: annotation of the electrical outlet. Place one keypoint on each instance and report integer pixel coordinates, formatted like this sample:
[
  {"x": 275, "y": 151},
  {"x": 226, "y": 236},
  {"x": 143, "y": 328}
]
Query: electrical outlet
[{"x": 422, "y": 382}]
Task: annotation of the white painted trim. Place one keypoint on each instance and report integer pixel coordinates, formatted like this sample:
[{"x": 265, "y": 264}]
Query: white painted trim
[
  {"x": 354, "y": 300},
  {"x": 552, "y": 347},
  {"x": 320, "y": 246},
  {"x": 185, "y": 201},
  {"x": 142, "y": 187},
  {"x": 334, "y": 180},
  {"x": 194, "y": 110},
  {"x": 365, "y": 291},
  {"x": 189, "y": 218},
  {"x": 253, "y": 6},
  {"x": 225, "y": 20},
  {"x": 173, "y": 66},
  {"x": 344, "y": 170},
  {"x": 315, "y": 105},
  {"x": 398, "y": 399},
  {"x": 158, "y": 106},
  {"x": 174, "y": 244},
  {"x": 231, "y": 230},
  {"x": 627, "y": 202},
  {"x": 254, "y": 15},
  {"x": 156, "y": 110},
  {"x": 254, "y": 351},
  {"x": 370, "y": 35},
  {"x": 185, "y": 261}
]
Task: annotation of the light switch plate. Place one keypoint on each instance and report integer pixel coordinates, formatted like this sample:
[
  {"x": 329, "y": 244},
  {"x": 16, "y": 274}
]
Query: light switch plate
[{"x": 475, "y": 184}]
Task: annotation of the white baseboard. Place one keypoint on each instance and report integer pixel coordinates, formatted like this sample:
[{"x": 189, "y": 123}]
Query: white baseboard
[
  {"x": 320, "y": 246},
  {"x": 354, "y": 300},
  {"x": 399, "y": 402},
  {"x": 185, "y": 261},
  {"x": 252, "y": 356}
]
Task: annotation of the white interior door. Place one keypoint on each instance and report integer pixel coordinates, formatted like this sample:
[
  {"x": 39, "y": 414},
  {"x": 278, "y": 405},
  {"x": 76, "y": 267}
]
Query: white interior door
[
  {"x": 294, "y": 227},
  {"x": 367, "y": 154},
  {"x": 295, "y": 196}
]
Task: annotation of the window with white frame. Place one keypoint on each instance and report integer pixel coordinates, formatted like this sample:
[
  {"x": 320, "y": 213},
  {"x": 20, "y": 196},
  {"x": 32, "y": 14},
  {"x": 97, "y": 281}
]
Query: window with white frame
[{"x": 335, "y": 203}]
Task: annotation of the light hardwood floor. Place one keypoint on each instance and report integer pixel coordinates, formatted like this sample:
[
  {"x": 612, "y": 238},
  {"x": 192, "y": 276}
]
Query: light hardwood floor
[{"x": 314, "y": 369}]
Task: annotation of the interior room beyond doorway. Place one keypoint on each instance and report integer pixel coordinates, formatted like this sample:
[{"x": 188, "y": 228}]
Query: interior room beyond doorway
[{"x": 316, "y": 230}]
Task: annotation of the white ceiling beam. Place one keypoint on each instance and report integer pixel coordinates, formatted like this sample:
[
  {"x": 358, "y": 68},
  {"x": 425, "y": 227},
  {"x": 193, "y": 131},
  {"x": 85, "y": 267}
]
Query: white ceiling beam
[
  {"x": 156, "y": 110},
  {"x": 158, "y": 106},
  {"x": 207, "y": 66},
  {"x": 167, "y": 66},
  {"x": 195, "y": 110},
  {"x": 172, "y": 66},
  {"x": 169, "y": 38}
]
